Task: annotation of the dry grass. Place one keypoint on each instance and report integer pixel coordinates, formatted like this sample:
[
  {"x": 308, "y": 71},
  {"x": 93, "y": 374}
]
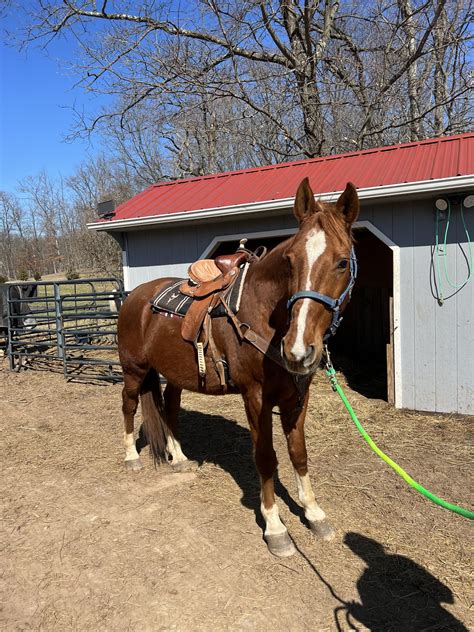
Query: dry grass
[{"x": 88, "y": 546}]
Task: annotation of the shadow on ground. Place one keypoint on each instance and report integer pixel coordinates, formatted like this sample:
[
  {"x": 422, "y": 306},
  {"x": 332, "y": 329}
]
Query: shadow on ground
[
  {"x": 396, "y": 593},
  {"x": 215, "y": 439}
]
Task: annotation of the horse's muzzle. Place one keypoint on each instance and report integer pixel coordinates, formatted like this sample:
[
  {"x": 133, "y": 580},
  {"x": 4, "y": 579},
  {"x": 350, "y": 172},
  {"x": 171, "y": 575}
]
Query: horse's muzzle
[
  {"x": 29, "y": 323},
  {"x": 304, "y": 363}
]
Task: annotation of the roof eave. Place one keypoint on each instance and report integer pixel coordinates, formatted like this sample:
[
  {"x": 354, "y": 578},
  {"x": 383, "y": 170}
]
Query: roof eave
[{"x": 444, "y": 185}]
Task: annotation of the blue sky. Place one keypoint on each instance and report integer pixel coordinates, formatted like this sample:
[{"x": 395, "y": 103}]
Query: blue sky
[{"x": 36, "y": 101}]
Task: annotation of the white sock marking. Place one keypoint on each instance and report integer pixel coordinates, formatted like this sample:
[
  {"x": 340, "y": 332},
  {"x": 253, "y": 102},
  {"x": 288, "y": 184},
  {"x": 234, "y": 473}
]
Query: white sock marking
[
  {"x": 173, "y": 448},
  {"x": 312, "y": 510},
  {"x": 273, "y": 524},
  {"x": 131, "y": 453},
  {"x": 315, "y": 246}
]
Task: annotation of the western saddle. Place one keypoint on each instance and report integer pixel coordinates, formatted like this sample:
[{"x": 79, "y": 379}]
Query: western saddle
[{"x": 209, "y": 281}]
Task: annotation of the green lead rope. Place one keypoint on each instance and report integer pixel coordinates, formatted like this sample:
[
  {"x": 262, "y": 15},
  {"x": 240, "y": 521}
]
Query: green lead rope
[{"x": 331, "y": 373}]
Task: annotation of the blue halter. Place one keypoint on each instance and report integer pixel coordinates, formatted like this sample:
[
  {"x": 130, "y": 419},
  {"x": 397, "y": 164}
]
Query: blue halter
[{"x": 333, "y": 303}]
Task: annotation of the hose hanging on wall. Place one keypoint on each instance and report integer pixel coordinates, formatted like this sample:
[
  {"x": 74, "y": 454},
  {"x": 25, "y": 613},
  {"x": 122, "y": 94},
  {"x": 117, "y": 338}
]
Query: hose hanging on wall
[{"x": 443, "y": 205}]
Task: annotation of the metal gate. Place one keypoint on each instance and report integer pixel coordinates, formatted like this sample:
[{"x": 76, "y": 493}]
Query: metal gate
[{"x": 74, "y": 328}]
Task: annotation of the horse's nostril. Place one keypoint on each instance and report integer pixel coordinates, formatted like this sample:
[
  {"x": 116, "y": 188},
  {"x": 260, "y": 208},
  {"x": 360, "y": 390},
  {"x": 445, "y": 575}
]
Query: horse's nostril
[{"x": 305, "y": 354}]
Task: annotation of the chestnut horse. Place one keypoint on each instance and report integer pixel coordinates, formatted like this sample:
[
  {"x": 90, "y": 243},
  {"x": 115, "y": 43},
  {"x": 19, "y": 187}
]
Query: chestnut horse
[{"x": 291, "y": 298}]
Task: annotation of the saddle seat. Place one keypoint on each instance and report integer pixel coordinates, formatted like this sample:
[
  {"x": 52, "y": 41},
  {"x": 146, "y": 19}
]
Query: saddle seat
[
  {"x": 205, "y": 270},
  {"x": 209, "y": 279}
]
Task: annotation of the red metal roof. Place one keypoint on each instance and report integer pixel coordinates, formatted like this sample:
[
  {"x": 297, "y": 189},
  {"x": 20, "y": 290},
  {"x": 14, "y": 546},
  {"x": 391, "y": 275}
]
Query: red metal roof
[{"x": 409, "y": 162}]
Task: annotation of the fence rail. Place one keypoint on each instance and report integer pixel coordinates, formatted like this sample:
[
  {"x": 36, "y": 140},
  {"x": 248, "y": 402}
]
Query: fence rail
[{"x": 75, "y": 326}]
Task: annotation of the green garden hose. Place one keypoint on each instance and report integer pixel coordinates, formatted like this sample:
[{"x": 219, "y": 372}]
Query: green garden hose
[
  {"x": 331, "y": 373},
  {"x": 444, "y": 254}
]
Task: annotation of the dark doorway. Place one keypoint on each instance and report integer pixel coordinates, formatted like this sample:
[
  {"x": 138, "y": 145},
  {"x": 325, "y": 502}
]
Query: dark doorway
[
  {"x": 227, "y": 247},
  {"x": 363, "y": 346}
]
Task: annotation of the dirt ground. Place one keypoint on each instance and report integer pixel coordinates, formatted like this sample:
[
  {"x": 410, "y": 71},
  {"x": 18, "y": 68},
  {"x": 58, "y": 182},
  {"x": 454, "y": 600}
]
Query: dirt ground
[{"x": 86, "y": 545}]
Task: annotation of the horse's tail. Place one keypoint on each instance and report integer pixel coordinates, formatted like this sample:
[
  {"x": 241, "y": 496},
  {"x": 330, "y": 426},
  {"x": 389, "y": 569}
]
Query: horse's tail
[{"x": 154, "y": 425}]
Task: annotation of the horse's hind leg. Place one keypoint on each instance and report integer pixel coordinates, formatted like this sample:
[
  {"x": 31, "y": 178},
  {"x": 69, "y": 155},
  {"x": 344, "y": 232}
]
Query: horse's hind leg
[
  {"x": 174, "y": 453},
  {"x": 130, "y": 395},
  {"x": 293, "y": 426}
]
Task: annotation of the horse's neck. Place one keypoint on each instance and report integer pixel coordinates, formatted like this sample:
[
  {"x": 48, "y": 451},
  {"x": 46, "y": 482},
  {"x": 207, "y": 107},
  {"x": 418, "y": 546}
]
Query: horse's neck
[{"x": 267, "y": 289}]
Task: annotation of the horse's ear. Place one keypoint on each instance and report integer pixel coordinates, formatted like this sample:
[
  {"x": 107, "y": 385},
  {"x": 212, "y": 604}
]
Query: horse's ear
[
  {"x": 348, "y": 204},
  {"x": 305, "y": 204}
]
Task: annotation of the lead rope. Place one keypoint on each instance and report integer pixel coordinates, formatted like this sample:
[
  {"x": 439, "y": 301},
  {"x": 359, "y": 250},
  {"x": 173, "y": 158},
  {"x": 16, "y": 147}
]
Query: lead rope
[{"x": 331, "y": 374}]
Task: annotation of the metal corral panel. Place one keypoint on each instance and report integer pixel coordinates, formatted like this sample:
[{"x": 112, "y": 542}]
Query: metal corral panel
[
  {"x": 410, "y": 162},
  {"x": 436, "y": 371}
]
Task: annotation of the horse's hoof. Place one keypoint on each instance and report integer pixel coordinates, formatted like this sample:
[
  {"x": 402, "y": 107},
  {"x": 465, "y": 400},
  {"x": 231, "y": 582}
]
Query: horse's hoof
[
  {"x": 184, "y": 466},
  {"x": 280, "y": 544},
  {"x": 322, "y": 529},
  {"x": 134, "y": 465}
]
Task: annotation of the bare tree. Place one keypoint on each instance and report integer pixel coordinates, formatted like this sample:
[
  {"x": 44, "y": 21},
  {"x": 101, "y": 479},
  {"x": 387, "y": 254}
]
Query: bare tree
[
  {"x": 46, "y": 206},
  {"x": 22, "y": 248},
  {"x": 94, "y": 181},
  {"x": 211, "y": 85},
  {"x": 10, "y": 214},
  {"x": 48, "y": 233}
]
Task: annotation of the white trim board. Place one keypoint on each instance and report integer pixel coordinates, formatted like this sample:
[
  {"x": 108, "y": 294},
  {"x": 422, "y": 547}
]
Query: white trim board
[
  {"x": 220, "y": 239},
  {"x": 442, "y": 186}
]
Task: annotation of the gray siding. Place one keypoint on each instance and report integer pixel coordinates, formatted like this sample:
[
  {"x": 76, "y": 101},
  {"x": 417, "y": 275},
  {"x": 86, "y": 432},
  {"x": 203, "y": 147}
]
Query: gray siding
[
  {"x": 168, "y": 251},
  {"x": 437, "y": 342}
]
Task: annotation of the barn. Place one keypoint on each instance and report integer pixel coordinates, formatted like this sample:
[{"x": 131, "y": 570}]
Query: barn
[{"x": 411, "y": 314}]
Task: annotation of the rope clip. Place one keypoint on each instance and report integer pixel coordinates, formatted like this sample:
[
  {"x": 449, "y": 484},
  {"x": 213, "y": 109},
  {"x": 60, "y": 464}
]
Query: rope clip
[{"x": 328, "y": 367}]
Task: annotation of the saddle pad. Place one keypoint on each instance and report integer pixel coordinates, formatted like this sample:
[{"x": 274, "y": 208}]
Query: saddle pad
[{"x": 172, "y": 303}]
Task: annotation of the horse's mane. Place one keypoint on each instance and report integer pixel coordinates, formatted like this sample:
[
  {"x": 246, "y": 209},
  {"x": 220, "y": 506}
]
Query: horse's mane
[{"x": 333, "y": 225}]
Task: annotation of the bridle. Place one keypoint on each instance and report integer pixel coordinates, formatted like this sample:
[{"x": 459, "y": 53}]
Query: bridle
[{"x": 334, "y": 304}]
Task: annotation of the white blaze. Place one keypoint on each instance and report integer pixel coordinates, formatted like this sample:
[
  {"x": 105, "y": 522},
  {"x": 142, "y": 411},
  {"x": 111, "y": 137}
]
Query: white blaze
[{"x": 315, "y": 246}]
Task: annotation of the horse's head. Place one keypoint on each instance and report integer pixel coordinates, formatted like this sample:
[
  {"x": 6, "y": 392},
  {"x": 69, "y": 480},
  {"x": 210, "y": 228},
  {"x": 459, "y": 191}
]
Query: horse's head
[
  {"x": 14, "y": 303},
  {"x": 321, "y": 273}
]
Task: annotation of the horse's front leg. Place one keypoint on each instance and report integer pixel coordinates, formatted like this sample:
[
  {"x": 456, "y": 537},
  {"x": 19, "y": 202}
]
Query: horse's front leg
[
  {"x": 293, "y": 419},
  {"x": 259, "y": 414}
]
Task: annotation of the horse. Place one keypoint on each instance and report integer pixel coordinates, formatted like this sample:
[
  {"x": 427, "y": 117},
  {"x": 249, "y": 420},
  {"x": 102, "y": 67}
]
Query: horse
[
  {"x": 292, "y": 300},
  {"x": 20, "y": 312}
]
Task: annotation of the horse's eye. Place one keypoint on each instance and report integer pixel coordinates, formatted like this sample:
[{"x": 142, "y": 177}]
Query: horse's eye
[{"x": 342, "y": 265}]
